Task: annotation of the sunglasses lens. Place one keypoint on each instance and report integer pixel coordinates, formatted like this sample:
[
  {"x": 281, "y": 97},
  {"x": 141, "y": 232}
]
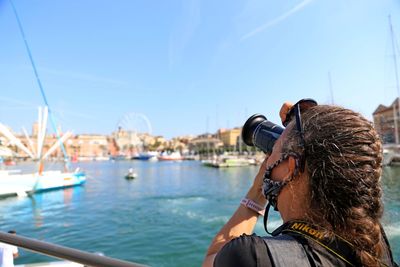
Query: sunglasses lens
[
  {"x": 303, "y": 104},
  {"x": 306, "y": 104}
]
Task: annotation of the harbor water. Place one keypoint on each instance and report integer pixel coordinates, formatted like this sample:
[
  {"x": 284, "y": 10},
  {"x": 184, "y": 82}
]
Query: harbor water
[{"x": 167, "y": 216}]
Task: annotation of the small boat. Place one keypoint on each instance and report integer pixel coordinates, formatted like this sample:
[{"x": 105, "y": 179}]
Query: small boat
[
  {"x": 131, "y": 174},
  {"x": 174, "y": 156},
  {"x": 9, "y": 162},
  {"x": 227, "y": 161},
  {"x": 150, "y": 155}
]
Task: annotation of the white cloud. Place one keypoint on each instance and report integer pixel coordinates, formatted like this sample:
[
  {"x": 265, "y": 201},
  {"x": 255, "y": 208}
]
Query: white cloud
[{"x": 277, "y": 20}]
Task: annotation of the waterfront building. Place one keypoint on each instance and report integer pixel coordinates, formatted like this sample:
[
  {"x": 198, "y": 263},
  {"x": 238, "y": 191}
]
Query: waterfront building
[
  {"x": 160, "y": 139},
  {"x": 127, "y": 142},
  {"x": 87, "y": 146},
  {"x": 205, "y": 143},
  {"x": 147, "y": 141},
  {"x": 384, "y": 121},
  {"x": 231, "y": 138},
  {"x": 179, "y": 143}
]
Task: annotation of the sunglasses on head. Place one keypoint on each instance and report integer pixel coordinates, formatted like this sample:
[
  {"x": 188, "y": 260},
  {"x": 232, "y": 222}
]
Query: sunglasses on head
[
  {"x": 295, "y": 112},
  {"x": 301, "y": 106}
]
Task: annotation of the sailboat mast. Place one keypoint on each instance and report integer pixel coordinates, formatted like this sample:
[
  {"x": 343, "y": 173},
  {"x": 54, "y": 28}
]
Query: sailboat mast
[
  {"x": 208, "y": 141},
  {"x": 40, "y": 87},
  {"x": 395, "y": 111},
  {"x": 331, "y": 87}
]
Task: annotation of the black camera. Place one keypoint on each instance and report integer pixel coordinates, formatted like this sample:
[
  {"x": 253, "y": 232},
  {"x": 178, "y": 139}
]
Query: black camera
[{"x": 260, "y": 132}]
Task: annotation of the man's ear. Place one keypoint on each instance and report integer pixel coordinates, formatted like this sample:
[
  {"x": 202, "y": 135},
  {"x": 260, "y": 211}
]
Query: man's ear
[
  {"x": 284, "y": 110},
  {"x": 292, "y": 166}
]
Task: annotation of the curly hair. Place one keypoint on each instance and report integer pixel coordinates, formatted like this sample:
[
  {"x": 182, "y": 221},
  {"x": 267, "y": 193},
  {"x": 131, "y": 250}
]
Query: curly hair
[{"x": 343, "y": 158}]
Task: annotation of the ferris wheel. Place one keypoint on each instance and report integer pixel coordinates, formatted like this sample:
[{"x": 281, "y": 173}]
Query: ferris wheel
[
  {"x": 130, "y": 128},
  {"x": 135, "y": 123}
]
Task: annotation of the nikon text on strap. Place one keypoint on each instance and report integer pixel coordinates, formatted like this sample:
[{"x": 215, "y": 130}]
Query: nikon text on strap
[{"x": 337, "y": 246}]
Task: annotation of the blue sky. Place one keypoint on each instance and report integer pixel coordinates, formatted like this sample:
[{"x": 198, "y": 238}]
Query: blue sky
[{"x": 192, "y": 66}]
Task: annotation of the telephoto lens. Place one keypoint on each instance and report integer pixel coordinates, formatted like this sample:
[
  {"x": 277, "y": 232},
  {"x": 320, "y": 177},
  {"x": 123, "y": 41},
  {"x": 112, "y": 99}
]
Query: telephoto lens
[{"x": 258, "y": 131}]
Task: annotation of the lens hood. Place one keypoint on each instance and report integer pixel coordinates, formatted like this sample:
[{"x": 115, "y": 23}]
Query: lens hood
[{"x": 250, "y": 126}]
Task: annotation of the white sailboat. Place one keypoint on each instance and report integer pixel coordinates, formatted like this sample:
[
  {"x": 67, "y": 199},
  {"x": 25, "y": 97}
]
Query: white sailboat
[
  {"x": 173, "y": 156},
  {"x": 16, "y": 183}
]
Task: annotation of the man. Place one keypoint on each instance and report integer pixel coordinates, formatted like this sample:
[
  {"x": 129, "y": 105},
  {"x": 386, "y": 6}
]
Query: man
[
  {"x": 324, "y": 177},
  {"x": 8, "y": 253}
]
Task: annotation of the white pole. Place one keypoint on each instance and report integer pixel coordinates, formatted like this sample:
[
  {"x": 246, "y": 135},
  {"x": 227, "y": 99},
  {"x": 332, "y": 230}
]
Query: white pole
[
  {"x": 57, "y": 144},
  {"x": 39, "y": 134},
  {"x": 30, "y": 142},
  {"x": 44, "y": 122},
  {"x": 4, "y": 130},
  {"x": 43, "y": 127}
]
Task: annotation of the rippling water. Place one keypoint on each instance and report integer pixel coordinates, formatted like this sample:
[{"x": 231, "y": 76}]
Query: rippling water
[{"x": 165, "y": 217}]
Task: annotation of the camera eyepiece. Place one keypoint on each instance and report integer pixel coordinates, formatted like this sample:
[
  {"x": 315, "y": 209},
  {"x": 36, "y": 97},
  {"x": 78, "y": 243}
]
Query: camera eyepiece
[{"x": 260, "y": 132}]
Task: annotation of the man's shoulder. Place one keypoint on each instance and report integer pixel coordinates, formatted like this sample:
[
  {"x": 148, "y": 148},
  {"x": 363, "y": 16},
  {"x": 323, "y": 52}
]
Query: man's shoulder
[
  {"x": 246, "y": 250},
  {"x": 246, "y": 241}
]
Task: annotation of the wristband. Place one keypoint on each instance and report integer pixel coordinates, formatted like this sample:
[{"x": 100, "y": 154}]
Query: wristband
[{"x": 250, "y": 204}]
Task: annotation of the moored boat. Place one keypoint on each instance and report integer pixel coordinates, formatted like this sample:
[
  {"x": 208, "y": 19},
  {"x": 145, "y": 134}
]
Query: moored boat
[
  {"x": 17, "y": 184},
  {"x": 228, "y": 161},
  {"x": 150, "y": 155},
  {"x": 174, "y": 156},
  {"x": 13, "y": 183},
  {"x": 131, "y": 174}
]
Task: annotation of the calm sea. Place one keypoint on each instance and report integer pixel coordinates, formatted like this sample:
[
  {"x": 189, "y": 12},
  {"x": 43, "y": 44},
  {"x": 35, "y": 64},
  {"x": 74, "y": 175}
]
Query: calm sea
[{"x": 165, "y": 217}]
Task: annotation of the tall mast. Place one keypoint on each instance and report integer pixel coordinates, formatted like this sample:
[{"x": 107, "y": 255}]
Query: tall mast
[
  {"x": 66, "y": 161},
  {"x": 395, "y": 111},
  {"x": 331, "y": 87},
  {"x": 207, "y": 136}
]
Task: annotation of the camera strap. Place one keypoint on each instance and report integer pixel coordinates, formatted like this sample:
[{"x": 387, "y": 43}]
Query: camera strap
[{"x": 338, "y": 246}]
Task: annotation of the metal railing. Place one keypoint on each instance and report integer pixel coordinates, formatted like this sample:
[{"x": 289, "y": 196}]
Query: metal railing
[{"x": 70, "y": 254}]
